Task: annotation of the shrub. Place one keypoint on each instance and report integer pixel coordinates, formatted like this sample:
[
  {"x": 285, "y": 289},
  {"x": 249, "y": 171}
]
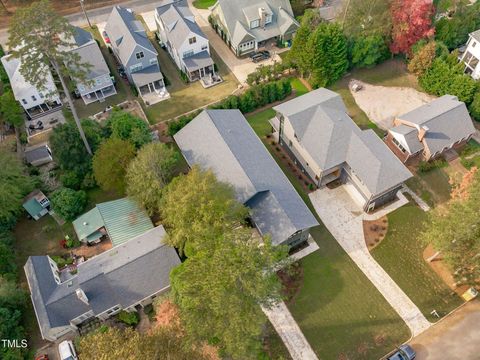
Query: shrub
[
  {"x": 61, "y": 261},
  {"x": 183, "y": 76},
  {"x": 426, "y": 166},
  {"x": 129, "y": 318},
  {"x": 475, "y": 107},
  {"x": 71, "y": 179},
  {"x": 68, "y": 203},
  {"x": 367, "y": 51}
]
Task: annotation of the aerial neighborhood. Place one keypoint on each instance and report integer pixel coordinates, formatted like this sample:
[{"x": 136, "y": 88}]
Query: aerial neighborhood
[{"x": 249, "y": 179}]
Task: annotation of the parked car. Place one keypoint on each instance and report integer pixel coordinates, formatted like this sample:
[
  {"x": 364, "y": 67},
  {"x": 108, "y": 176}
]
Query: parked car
[
  {"x": 404, "y": 352},
  {"x": 121, "y": 72},
  {"x": 105, "y": 37},
  {"x": 260, "y": 56},
  {"x": 67, "y": 351}
]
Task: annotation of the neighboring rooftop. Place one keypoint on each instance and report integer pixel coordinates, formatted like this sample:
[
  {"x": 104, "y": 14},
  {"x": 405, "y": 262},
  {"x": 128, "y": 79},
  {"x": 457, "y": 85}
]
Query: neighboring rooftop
[
  {"x": 222, "y": 140},
  {"x": 32, "y": 203},
  {"x": 123, "y": 219},
  {"x": 37, "y": 153},
  {"x": 446, "y": 121},
  {"x": 330, "y": 136},
  {"x": 123, "y": 275},
  {"x": 476, "y": 35}
]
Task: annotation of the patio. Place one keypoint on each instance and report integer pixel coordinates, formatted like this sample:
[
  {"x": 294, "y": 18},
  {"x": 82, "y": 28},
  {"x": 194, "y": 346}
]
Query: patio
[{"x": 44, "y": 123}]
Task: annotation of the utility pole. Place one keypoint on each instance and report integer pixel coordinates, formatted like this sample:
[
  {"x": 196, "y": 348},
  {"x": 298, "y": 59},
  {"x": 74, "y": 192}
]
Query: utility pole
[{"x": 85, "y": 13}]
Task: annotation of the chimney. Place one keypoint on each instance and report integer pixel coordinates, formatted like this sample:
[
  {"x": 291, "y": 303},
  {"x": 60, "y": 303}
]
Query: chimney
[
  {"x": 262, "y": 12},
  {"x": 81, "y": 295},
  {"x": 422, "y": 131}
]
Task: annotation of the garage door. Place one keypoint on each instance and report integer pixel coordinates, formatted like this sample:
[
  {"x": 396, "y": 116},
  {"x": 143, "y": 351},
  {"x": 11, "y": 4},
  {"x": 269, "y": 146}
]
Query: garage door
[{"x": 355, "y": 194}]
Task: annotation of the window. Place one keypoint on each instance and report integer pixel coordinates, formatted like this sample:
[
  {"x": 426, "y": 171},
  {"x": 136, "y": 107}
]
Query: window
[
  {"x": 140, "y": 55},
  {"x": 41, "y": 95},
  {"x": 254, "y": 24},
  {"x": 34, "y": 98},
  {"x": 98, "y": 81},
  {"x": 268, "y": 19},
  {"x": 81, "y": 88},
  {"x": 395, "y": 141},
  {"x": 136, "y": 67},
  {"x": 204, "y": 47},
  {"x": 473, "y": 44},
  {"x": 192, "y": 40},
  {"x": 153, "y": 61},
  {"x": 24, "y": 101},
  {"x": 188, "y": 53}
]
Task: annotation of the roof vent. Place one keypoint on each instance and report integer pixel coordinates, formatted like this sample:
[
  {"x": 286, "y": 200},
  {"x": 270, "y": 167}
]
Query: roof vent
[
  {"x": 81, "y": 295},
  {"x": 85, "y": 223}
]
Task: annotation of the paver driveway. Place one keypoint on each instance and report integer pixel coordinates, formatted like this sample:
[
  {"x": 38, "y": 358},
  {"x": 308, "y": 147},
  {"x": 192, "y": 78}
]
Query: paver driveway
[{"x": 343, "y": 218}]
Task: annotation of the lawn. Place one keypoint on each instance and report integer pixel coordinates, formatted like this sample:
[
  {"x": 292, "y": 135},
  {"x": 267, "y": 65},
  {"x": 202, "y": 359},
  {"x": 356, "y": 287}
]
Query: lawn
[
  {"x": 433, "y": 186},
  {"x": 338, "y": 309},
  {"x": 401, "y": 255},
  {"x": 470, "y": 155},
  {"x": 204, "y": 4}
]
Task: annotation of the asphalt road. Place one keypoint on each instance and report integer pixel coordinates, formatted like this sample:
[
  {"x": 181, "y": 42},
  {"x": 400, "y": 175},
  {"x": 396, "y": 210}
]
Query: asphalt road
[{"x": 96, "y": 15}]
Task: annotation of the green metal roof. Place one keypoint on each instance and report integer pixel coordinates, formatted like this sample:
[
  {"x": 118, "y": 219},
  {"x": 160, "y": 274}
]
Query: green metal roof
[
  {"x": 88, "y": 223},
  {"x": 32, "y": 206},
  {"x": 124, "y": 220}
]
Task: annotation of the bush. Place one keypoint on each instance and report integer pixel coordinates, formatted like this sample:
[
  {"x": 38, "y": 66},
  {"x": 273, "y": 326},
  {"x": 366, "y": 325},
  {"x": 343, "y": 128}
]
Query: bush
[
  {"x": 426, "y": 166},
  {"x": 68, "y": 203},
  {"x": 61, "y": 261},
  {"x": 71, "y": 179},
  {"x": 475, "y": 107},
  {"x": 175, "y": 126},
  {"x": 129, "y": 318},
  {"x": 183, "y": 76},
  {"x": 134, "y": 90},
  {"x": 365, "y": 51}
]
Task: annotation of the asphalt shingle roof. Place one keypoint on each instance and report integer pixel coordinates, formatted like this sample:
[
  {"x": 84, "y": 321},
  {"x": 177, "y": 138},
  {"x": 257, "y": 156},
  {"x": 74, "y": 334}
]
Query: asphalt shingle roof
[{"x": 222, "y": 140}]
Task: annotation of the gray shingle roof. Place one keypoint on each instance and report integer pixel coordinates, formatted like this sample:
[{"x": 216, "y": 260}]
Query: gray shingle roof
[
  {"x": 125, "y": 32},
  {"x": 476, "y": 35},
  {"x": 81, "y": 36},
  {"x": 446, "y": 118},
  {"x": 179, "y": 22},
  {"x": 36, "y": 153},
  {"x": 243, "y": 11},
  {"x": 222, "y": 140},
  {"x": 91, "y": 54},
  {"x": 123, "y": 275},
  {"x": 327, "y": 133},
  {"x": 198, "y": 61}
]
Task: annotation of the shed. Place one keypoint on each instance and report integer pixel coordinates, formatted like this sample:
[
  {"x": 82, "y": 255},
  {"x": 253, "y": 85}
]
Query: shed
[
  {"x": 36, "y": 204},
  {"x": 38, "y": 155}
]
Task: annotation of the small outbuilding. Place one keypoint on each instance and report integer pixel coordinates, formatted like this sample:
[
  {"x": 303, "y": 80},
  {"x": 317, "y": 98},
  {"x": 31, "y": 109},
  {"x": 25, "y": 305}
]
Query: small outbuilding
[
  {"x": 38, "y": 155},
  {"x": 36, "y": 204}
]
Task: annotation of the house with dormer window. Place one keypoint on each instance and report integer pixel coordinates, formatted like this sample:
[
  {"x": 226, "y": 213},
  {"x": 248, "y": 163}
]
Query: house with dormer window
[
  {"x": 471, "y": 57},
  {"x": 251, "y": 25}
]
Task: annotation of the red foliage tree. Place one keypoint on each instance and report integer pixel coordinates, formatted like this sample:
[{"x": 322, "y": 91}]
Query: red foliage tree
[{"x": 411, "y": 21}]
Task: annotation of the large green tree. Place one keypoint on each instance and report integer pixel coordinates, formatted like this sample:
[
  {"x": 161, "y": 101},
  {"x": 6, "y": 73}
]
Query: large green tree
[
  {"x": 41, "y": 39},
  {"x": 455, "y": 230},
  {"x": 126, "y": 126},
  {"x": 150, "y": 172},
  {"x": 69, "y": 203},
  {"x": 197, "y": 205},
  {"x": 367, "y": 50},
  {"x": 13, "y": 114},
  {"x": 110, "y": 164},
  {"x": 15, "y": 184},
  {"x": 219, "y": 290}
]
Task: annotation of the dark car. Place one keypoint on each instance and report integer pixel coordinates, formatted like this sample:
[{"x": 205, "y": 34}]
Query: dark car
[
  {"x": 105, "y": 37},
  {"x": 404, "y": 352},
  {"x": 259, "y": 57},
  {"x": 265, "y": 53}
]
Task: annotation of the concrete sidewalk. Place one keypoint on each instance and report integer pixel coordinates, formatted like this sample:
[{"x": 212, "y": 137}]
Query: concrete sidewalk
[{"x": 343, "y": 218}]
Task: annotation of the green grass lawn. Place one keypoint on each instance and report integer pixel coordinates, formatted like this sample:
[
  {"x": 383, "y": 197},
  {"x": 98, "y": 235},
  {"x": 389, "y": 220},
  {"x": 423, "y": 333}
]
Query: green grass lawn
[
  {"x": 204, "y": 4},
  {"x": 470, "y": 155},
  {"x": 401, "y": 255},
  {"x": 338, "y": 308},
  {"x": 433, "y": 186}
]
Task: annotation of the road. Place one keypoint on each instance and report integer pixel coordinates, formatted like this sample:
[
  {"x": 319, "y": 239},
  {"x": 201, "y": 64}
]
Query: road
[{"x": 457, "y": 337}]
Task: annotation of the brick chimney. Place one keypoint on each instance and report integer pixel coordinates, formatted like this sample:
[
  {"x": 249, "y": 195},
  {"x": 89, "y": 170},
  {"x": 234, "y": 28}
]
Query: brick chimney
[
  {"x": 422, "y": 131},
  {"x": 262, "y": 13},
  {"x": 81, "y": 295}
]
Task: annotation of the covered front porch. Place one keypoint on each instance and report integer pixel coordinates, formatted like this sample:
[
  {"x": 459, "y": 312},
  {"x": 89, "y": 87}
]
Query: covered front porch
[
  {"x": 201, "y": 67},
  {"x": 99, "y": 95},
  {"x": 150, "y": 85}
]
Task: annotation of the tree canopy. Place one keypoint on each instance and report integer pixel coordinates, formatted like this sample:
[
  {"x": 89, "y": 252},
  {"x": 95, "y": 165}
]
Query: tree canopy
[
  {"x": 150, "y": 172},
  {"x": 368, "y": 50},
  {"x": 126, "y": 126},
  {"x": 423, "y": 59},
  {"x": 69, "y": 203},
  {"x": 366, "y": 18},
  {"x": 197, "y": 205},
  {"x": 110, "y": 164}
]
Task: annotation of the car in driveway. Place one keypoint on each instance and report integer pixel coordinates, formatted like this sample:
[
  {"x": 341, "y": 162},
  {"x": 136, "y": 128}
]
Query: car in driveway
[
  {"x": 404, "y": 352},
  {"x": 66, "y": 351},
  {"x": 260, "y": 56}
]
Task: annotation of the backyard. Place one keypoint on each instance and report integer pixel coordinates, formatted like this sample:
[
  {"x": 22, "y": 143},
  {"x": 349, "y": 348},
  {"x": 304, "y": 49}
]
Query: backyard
[
  {"x": 204, "y": 4},
  {"x": 401, "y": 255}
]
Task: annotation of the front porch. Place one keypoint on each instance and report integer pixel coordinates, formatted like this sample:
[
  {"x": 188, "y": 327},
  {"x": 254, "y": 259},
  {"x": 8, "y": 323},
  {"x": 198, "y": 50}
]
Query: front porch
[{"x": 99, "y": 95}]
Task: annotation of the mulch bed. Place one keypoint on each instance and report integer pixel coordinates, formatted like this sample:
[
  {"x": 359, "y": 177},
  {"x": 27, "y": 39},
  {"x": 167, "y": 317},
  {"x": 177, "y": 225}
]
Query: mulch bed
[
  {"x": 375, "y": 231},
  {"x": 292, "y": 279}
]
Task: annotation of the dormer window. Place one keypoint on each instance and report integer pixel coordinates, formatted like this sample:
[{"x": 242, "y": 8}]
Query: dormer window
[
  {"x": 254, "y": 24},
  {"x": 140, "y": 55},
  {"x": 192, "y": 40}
]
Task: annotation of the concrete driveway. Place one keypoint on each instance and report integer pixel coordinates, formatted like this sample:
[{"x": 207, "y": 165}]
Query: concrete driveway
[
  {"x": 343, "y": 218},
  {"x": 456, "y": 337}
]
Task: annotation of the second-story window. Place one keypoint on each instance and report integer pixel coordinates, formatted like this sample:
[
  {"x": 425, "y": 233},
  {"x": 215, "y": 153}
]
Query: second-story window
[
  {"x": 136, "y": 67},
  {"x": 268, "y": 19},
  {"x": 153, "y": 61},
  {"x": 140, "y": 55},
  {"x": 34, "y": 98},
  {"x": 24, "y": 101},
  {"x": 254, "y": 24},
  {"x": 192, "y": 40},
  {"x": 204, "y": 47},
  {"x": 41, "y": 95}
]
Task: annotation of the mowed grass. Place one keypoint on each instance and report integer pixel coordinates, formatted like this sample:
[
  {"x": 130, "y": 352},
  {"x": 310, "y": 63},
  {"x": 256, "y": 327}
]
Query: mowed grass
[
  {"x": 338, "y": 309},
  {"x": 433, "y": 186},
  {"x": 401, "y": 255},
  {"x": 204, "y": 4}
]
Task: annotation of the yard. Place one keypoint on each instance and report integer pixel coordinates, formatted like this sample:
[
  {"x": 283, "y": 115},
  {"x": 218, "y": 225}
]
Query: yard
[
  {"x": 338, "y": 309},
  {"x": 401, "y": 255},
  {"x": 204, "y": 4},
  {"x": 433, "y": 186}
]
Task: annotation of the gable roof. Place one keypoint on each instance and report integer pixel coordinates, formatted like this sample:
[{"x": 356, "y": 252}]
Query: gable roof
[
  {"x": 125, "y": 33},
  {"x": 31, "y": 202},
  {"x": 446, "y": 120},
  {"x": 222, "y": 140},
  {"x": 322, "y": 126},
  {"x": 123, "y": 219},
  {"x": 38, "y": 152},
  {"x": 238, "y": 15},
  {"x": 123, "y": 275},
  {"x": 476, "y": 35},
  {"x": 179, "y": 22}
]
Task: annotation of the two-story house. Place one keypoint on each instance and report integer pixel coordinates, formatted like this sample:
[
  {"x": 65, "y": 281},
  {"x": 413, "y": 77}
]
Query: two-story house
[
  {"x": 184, "y": 40},
  {"x": 35, "y": 102},
  {"x": 99, "y": 84},
  {"x": 133, "y": 49},
  {"x": 249, "y": 25},
  {"x": 471, "y": 56}
]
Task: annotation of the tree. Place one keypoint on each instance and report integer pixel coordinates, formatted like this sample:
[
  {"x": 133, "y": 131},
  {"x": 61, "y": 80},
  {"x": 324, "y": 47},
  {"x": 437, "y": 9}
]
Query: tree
[
  {"x": 149, "y": 173},
  {"x": 13, "y": 114},
  {"x": 475, "y": 107},
  {"x": 41, "y": 39},
  {"x": 11, "y": 296},
  {"x": 219, "y": 290},
  {"x": 8, "y": 265},
  {"x": 329, "y": 61},
  {"x": 15, "y": 184},
  {"x": 68, "y": 203},
  {"x": 110, "y": 164},
  {"x": 196, "y": 205},
  {"x": 10, "y": 328},
  {"x": 423, "y": 59},
  {"x": 411, "y": 21},
  {"x": 455, "y": 232},
  {"x": 368, "y": 50},
  {"x": 363, "y": 18},
  {"x": 126, "y": 126}
]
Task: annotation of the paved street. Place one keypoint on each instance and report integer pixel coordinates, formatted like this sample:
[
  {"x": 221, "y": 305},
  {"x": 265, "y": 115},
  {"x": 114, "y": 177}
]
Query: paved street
[
  {"x": 343, "y": 218},
  {"x": 456, "y": 337}
]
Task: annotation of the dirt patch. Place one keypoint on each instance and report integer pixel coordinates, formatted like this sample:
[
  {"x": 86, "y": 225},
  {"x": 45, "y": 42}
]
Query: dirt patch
[
  {"x": 90, "y": 251},
  {"x": 442, "y": 270},
  {"x": 383, "y": 103},
  {"x": 166, "y": 314},
  {"x": 131, "y": 106},
  {"x": 292, "y": 279},
  {"x": 162, "y": 130},
  {"x": 375, "y": 231}
]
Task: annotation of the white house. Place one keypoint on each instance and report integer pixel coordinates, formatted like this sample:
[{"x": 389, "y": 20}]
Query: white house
[
  {"x": 184, "y": 40},
  {"x": 36, "y": 103},
  {"x": 471, "y": 56}
]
